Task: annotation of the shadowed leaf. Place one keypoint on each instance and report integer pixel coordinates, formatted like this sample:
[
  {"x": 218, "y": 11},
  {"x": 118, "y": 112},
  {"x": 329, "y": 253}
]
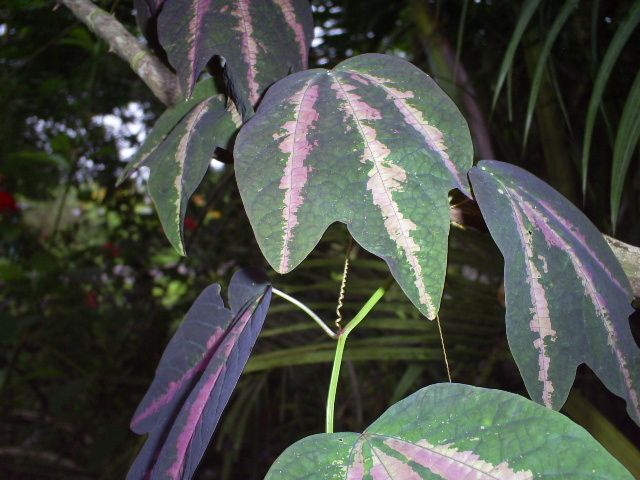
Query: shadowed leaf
[
  {"x": 196, "y": 376},
  {"x": 568, "y": 300},
  {"x": 452, "y": 431},
  {"x": 373, "y": 143}
]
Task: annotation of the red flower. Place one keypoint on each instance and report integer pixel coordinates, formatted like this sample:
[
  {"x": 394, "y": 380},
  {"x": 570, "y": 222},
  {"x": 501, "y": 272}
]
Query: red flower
[
  {"x": 91, "y": 299},
  {"x": 111, "y": 248},
  {"x": 190, "y": 223},
  {"x": 7, "y": 202}
]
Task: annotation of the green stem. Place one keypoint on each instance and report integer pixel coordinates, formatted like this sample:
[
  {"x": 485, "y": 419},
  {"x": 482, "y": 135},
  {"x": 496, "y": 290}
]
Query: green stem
[
  {"x": 342, "y": 340},
  {"x": 307, "y": 310}
]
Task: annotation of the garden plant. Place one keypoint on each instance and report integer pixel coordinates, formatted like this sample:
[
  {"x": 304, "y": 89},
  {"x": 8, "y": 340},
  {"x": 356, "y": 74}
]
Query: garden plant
[{"x": 373, "y": 143}]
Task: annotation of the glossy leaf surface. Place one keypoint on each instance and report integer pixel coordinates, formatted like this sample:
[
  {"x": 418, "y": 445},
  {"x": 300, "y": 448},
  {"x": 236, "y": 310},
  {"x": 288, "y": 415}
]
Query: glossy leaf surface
[
  {"x": 373, "y": 143},
  {"x": 568, "y": 300},
  {"x": 261, "y": 41},
  {"x": 452, "y": 431},
  {"x": 196, "y": 376}
]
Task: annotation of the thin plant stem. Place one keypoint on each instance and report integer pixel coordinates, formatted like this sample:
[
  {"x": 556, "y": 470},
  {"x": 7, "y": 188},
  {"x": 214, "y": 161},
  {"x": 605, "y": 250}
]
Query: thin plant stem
[
  {"x": 307, "y": 310},
  {"x": 444, "y": 350},
  {"x": 342, "y": 340}
]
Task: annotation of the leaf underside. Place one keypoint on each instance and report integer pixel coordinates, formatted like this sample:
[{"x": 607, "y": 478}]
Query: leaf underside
[
  {"x": 260, "y": 41},
  {"x": 373, "y": 143},
  {"x": 453, "y": 431},
  {"x": 568, "y": 299},
  {"x": 196, "y": 376}
]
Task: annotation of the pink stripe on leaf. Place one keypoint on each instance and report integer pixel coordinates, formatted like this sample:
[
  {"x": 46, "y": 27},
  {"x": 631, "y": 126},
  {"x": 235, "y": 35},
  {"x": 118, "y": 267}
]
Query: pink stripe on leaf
[
  {"x": 295, "y": 144},
  {"x": 451, "y": 464},
  {"x": 298, "y": 29},
  {"x": 249, "y": 47},
  {"x": 385, "y": 178},
  {"x": 433, "y": 137}
]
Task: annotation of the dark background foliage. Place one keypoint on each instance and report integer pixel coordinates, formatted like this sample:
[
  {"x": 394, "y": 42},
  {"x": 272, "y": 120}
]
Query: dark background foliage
[{"x": 90, "y": 290}]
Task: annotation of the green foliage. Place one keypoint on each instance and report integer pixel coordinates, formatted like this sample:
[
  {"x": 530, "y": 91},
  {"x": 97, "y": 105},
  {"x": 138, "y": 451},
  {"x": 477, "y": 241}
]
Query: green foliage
[
  {"x": 454, "y": 431},
  {"x": 90, "y": 289}
]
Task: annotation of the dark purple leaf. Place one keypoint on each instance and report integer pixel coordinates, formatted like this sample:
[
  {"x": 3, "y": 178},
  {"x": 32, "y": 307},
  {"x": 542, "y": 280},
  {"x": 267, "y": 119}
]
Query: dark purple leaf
[
  {"x": 147, "y": 19},
  {"x": 196, "y": 376},
  {"x": 568, "y": 299}
]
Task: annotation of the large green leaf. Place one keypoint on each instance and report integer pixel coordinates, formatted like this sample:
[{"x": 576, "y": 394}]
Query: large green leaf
[
  {"x": 453, "y": 431},
  {"x": 373, "y": 143},
  {"x": 261, "y": 41},
  {"x": 568, "y": 299}
]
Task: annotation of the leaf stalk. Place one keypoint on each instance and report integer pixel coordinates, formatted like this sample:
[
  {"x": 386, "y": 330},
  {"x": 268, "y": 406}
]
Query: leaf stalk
[
  {"x": 342, "y": 340},
  {"x": 307, "y": 310}
]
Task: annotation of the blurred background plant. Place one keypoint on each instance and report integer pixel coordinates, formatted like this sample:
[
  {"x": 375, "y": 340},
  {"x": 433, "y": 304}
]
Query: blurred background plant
[{"x": 90, "y": 289}]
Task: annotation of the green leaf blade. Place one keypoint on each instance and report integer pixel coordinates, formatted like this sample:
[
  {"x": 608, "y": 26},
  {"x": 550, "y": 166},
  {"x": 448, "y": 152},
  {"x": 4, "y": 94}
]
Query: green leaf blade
[
  {"x": 620, "y": 38},
  {"x": 552, "y": 35},
  {"x": 568, "y": 299},
  {"x": 374, "y": 144},
  {"x": 528, "y": 9},
  {"x": 625, "y": 143},
  {"x": 178, "y": 165},
  {"x": 454, "y": 431}
]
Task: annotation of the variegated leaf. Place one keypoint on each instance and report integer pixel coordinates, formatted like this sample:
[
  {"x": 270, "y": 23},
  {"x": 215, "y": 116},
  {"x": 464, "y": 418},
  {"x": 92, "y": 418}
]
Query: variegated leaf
[
  {"x": 260, "y": 40},
  {"x": 452, "y": 431},
  {"x": 179, "y": 163},
  {"x": 196, "y": 376},
  {"x": 568, "y": 299},
  {"x": 166, "y": 123},
  {"x": 373, "y": 143}
]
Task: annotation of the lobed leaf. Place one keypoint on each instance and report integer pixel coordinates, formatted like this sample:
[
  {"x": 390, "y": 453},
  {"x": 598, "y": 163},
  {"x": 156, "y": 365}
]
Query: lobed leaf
[
  {"x": 196, "y": 376},
  {"x": 260, "y": 41},
  {"x": 453, "y": 431},
  {"x": 373, "y": 143},
  {"x": 568, "y": 299}
]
